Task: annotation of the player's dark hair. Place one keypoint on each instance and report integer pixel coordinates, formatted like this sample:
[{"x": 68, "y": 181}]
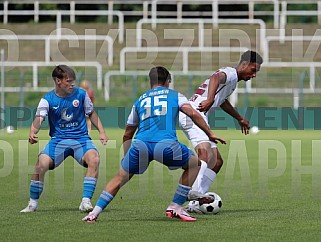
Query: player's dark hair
[
  {"x": 159, "y": 75},
  {"x": 61, "y": 71},
  {"x": 252, "y": 57}
]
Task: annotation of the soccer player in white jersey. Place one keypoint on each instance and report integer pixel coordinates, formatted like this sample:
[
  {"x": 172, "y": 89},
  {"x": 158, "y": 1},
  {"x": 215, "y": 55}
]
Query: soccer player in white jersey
[
  {"x": 154, "y": 117},
  {"x": 213, "y": 93},
  {"x": 66, "y": 108}
]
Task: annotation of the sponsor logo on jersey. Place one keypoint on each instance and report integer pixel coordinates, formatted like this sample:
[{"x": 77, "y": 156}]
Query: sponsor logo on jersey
[{"x": 65, "y": 115}]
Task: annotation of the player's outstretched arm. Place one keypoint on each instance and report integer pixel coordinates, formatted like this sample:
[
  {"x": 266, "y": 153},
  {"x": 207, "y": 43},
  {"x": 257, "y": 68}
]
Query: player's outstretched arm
[
  {"x": 95, "y": 120},
  {"x": 228, "y": 108},
  {"x": 199, "y": 121},
  {"x": 34, "y": 129}
]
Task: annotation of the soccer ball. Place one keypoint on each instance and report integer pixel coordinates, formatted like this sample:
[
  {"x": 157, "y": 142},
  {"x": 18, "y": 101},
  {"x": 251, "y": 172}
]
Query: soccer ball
[
  {"x": 10, "y": 129},
  {"x": 254, "y": 130},
  {"x": 213, "y": 207}
]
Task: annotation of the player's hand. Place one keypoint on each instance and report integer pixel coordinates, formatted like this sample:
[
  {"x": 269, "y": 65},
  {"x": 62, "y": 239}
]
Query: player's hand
[
  {"x": 216, "y": 138},
  {"x": 205, "y": 105},
  {"x": 33, "y": 139},
  {"x": 103, "y": 138},
  {"x": 245, "y": 126}
]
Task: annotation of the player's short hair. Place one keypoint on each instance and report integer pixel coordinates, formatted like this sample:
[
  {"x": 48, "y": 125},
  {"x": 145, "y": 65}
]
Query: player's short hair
[
  {"x": 61, "y": 71},
  {"x": 252, "y": 57},
  {"x": 159, "y": 75}
]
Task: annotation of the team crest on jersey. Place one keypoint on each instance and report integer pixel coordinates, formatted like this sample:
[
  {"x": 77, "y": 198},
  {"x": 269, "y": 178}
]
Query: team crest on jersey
[{"x": 75, "y": 103}]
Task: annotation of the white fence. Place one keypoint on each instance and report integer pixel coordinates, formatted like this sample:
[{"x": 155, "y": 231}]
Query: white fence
[
  {"x": 34, "y": 65},
  {"x": 72, "y": 14},
  {"x": 72, "y": 39},
  {"x": 150, "y": 9},
  {"x": 200, "y": 22},
  {"x": 279, "y": 17},
  {"x": 184, "y": 50}
]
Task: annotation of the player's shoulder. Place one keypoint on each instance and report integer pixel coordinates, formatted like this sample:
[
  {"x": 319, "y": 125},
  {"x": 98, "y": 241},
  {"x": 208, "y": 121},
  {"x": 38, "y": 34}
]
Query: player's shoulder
[
  {"x": 49, "y": 95},
  {"x": 80, "y": 90},
  {"x": 227, "y": 69}
]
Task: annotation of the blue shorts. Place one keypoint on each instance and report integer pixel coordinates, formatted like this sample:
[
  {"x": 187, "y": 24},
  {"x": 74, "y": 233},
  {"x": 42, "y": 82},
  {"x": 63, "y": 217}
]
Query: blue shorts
[
  {"x": 171, "y": 153},
  {"x": 59, "y": 149}
]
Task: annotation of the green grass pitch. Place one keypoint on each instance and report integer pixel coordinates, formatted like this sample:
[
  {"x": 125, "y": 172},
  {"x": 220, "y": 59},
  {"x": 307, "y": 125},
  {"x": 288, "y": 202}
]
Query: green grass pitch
[{"x": 270, "y": 186}]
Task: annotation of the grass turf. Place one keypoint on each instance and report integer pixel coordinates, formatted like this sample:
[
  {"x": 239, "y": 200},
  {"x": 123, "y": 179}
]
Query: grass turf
[{"x": 266, "y": 194}]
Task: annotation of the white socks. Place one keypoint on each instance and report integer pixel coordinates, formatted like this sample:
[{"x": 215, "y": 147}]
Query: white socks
[
  {"x": 204, "y": 179},
  {"x": 34, "y": 202},
  {"x": 97, "y": 210},
  {"x": 207, "y": 180},
  {"x": 197, "y": 182}
]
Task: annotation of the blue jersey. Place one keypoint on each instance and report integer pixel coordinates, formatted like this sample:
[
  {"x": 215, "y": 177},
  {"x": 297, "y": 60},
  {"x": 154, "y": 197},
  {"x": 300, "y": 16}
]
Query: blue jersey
[
  {"x": 66, "y": 115},
  {"x": 155, "y": 113}
]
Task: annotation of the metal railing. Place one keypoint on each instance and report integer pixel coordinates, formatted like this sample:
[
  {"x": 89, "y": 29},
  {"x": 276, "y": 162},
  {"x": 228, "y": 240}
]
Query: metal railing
[
  {"x": 200, "y": 22},
  {"x": 184, "y": 50},
  {"x": 60, "y": 13},
  {"x": 72, "y": 39},
  {"x": 279, "y": 17},
  {"x": 35, "y": 80}
]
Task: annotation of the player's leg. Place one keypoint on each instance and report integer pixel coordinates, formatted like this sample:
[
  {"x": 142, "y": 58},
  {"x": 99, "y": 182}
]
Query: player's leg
[
  {"x": 91, "y": 159},
  {"x": 44, "y": 163},
  {"x": 219, "y": 162},
  {"x": 206, "y": 178},
  {"x": 108, "y": 194},
  {"x": 206, "y": 155},
  {"x": 130, "y": 165},
  {"x": 174, "y": 155},
  {"x": 206, "y": 152},
  {"x": 175, "y": 209},
  {"x": 211, "y": 175}
]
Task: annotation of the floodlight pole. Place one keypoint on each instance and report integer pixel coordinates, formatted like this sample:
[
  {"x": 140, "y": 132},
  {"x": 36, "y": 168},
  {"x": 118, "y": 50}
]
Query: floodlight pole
[{"x": 2, "y": 92}]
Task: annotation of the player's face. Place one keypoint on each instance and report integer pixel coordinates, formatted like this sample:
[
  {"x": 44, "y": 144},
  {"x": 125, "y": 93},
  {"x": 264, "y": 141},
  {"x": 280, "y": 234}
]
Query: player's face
[
  {"x": 249, "y": 71},
  {"x": 66, "y": 84}
]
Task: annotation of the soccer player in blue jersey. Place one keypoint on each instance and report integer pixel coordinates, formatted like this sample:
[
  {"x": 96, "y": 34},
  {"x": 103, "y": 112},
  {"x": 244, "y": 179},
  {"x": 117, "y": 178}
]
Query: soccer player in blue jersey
[
  {"x": 66, "y": 108},
  {"x": 154, "y": 117}
]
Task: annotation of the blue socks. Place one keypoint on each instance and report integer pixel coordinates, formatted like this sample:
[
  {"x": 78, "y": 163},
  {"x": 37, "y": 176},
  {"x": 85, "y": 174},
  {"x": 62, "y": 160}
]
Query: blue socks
[
  {"x": 104, "y": 199},
  {"x": 36, "y": 188},
  {"x": 89, "y": 187},
  {"x": 181, "y": 193}
]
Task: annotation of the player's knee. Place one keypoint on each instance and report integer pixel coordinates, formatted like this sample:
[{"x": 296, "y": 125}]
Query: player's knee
[
  {"x": 93, "y": 162},
  {"x": 207, "y": 156},
  {"x": 41, "y": 168},
  {"x": 204, "y": 154}
]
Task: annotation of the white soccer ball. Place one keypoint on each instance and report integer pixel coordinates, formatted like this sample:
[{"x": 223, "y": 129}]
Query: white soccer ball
[
  {"x": 10, "y": 129},
  {"x": 254, "y": 130},
  {"x": 213, "y": 207}
]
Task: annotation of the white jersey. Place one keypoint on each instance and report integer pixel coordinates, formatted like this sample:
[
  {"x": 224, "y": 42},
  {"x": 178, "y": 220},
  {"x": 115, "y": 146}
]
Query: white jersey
[
  {"x": 192, "y": 131},
  {"x": 223, "y": 90}
]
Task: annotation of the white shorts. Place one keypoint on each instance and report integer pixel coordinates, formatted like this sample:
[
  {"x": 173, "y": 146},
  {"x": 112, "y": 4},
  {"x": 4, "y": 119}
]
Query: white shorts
[{"x": 192, "y": 131}]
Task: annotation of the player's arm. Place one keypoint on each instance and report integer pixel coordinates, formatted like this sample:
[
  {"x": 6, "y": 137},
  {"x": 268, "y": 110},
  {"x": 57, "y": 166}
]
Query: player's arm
[
  {"x": 132, "y": 125},
  {"x": 128, "y": 136},
  {"x": 42, "y": 112},
  {"x": 228, "y": 108},
  {"x": 95, "y": 120},
  {"x": 34, "y": 129},
  {"x": 215, "y": 80},
  {"x": 199, "y": 121}
]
